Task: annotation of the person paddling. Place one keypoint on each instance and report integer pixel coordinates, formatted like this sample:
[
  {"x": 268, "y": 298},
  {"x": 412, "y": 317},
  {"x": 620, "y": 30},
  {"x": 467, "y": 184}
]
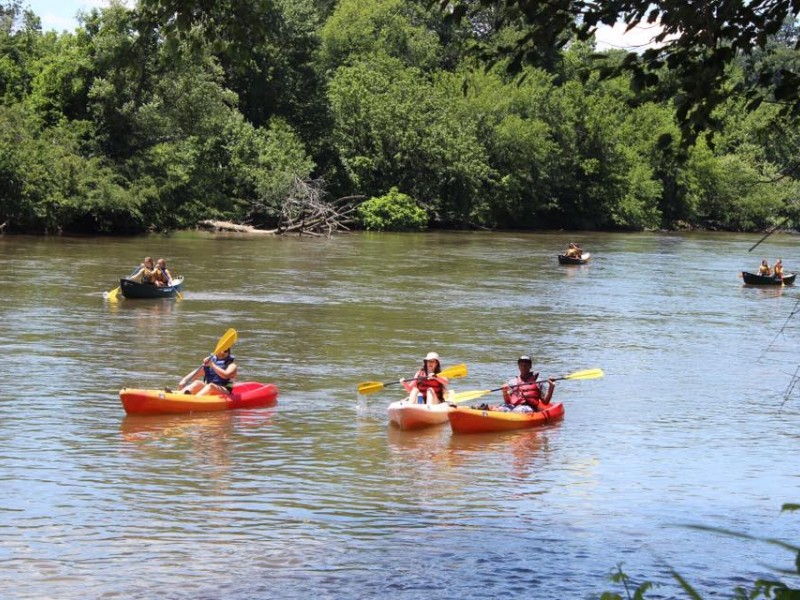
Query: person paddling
[
  {"x": 777, "y": 270},
  {"x": 427, "y": 385},
  {"x": 523, "y": 394},
  {"x": 145, "y": 273},
  {"x": 764, "y": 269},
  {"x": 218, "y": 372}
]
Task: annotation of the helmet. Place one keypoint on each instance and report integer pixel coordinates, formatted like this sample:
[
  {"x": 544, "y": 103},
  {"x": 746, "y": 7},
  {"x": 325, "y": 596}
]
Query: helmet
[{"x": 525, "y": 358}]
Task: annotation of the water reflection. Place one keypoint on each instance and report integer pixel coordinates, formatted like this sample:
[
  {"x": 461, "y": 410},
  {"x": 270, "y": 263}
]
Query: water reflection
[
  {"x": 524, "y": 451},
  {"x": 206, "y": 436},
  {"x": 152, "y": 307}
]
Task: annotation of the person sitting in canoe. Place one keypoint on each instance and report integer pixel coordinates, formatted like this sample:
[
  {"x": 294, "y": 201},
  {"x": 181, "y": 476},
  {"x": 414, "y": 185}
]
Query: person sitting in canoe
[
  {"x": 218, "y": 371},
  {"x": 162, "y": 277},
  {"x": 573, "y": 251},
  {"x": 764, "y": 269},
  {"x": 146, "y": 272},
  {"x": 777, "y": 270},
  {"x": 427, "y": 386},
  {"x": 523, "y": 394}
]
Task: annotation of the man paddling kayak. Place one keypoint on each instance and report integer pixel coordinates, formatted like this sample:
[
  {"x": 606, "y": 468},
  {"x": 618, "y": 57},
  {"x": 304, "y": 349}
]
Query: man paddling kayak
[{"x": 523, "y": 394}]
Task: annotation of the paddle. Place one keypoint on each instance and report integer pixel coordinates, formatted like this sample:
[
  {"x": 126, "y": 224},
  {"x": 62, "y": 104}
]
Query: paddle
[
  {"x": 370, "y": 387},
  {"x": 227, "y": 340},
  {"x": 114, "y": 294},
  {"x": 475, "y": 394}
]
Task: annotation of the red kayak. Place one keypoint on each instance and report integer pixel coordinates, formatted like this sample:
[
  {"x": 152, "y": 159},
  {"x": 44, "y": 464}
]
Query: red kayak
[
  {"x": 473, "y": 420},
  {"x": 249, "y": 394}
]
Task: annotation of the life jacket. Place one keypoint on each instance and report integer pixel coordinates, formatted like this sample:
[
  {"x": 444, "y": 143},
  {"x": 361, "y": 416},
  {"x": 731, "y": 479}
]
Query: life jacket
[
  {"x": 211, "y": 375},
  {"x": 148, "y": 276},
  {"x": 778, "y": 271},
  {"x": 161, "y": 275},
  {"x": 525, "y": 391},
  {"x": 423, "y": 385}
]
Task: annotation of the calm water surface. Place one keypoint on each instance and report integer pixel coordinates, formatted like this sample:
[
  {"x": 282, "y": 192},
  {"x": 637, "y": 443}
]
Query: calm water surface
[{"x": 318, "y": 496}]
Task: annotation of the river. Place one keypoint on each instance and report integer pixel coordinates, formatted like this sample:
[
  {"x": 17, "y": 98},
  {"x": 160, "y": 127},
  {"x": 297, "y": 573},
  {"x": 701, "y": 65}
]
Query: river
[{"x": 319, "y": 497}]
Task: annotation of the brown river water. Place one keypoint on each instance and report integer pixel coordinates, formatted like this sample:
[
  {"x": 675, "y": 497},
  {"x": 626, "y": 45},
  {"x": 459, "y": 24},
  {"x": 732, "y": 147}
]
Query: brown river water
[{"x": 318, "y": 496}]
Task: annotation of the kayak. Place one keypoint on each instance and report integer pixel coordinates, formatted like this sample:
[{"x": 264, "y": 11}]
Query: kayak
[
  {"x": 573, "y": 260},
  {"x": 754, "y": 279},
  {"x": 473, "y": 420},
  {"x": 407, "y": 415},
  {"x": 250, "y": 394},
  {"x": 134, "y": 289}
]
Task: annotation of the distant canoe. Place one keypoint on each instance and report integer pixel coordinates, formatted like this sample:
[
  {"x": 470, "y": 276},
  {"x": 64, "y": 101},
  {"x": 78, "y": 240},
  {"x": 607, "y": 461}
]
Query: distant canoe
[
  {"x": 133, "y": 289},
  {"x": 753, "y": 279},
  {"x": 570, "y": 260}
]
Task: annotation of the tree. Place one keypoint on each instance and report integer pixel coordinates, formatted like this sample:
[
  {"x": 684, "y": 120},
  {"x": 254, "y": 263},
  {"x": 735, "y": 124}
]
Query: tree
[{"x": 696, "y": 45}]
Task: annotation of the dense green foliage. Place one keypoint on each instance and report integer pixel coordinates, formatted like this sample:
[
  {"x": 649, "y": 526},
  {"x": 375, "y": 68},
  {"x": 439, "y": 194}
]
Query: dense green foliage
[
  {"x": 393, "y": 212},
  {"x": 155, "y": 117}
]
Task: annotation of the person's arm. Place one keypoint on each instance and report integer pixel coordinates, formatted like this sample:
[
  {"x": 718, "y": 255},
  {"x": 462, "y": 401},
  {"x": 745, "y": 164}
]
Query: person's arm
[
  {"x": 411, "y": 383},
  {"x": 445, "y": 381},
  {"x": 551, "y": 385},
  {"x": 506, "y": 394},
  {"x": 189, "y": 378}
]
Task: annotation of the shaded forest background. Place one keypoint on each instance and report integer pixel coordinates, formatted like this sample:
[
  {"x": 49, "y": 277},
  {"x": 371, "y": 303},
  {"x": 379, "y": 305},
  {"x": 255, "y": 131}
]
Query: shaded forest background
[{"x": 157, "y": 117}]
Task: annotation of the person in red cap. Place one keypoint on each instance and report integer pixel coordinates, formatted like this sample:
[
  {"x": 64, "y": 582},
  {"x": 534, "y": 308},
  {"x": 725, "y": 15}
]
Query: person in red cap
[
  {"x": 427, "y": 386},
  {"x": 523, "y": 394}
]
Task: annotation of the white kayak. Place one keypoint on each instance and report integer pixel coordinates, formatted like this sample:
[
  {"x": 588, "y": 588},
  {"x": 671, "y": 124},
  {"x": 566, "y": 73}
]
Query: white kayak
[{"x": 408, "y": 415}]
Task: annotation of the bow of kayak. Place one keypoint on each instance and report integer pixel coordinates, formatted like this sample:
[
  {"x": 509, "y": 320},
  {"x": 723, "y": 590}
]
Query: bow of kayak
[
  {"x": 249, "y": 394},
  {"x": 472, "y": 420},
  {"x": 407, "y": 415}
]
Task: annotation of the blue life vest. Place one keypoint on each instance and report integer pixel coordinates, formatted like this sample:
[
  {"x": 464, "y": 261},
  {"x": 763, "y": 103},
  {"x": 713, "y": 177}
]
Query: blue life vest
[{"x": 211, "y": 375}]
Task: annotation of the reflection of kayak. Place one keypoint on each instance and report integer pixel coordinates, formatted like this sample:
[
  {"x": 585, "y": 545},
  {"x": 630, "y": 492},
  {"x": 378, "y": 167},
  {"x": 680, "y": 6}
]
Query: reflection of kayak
[
  {"x": 250, "y": 394},
  {"x": 473, "y": 420},
  {"x": 572, "y": 260},
  {"x": 407, "y": 415},
  {"x": 134, "y": 289},
  {"x": 754, "y": 279}
]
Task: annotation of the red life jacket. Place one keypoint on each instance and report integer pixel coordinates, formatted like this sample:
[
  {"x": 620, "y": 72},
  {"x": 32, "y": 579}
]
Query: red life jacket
[
  {"x": 526, "y": 391},
  {"x": 423, "y": 385}
]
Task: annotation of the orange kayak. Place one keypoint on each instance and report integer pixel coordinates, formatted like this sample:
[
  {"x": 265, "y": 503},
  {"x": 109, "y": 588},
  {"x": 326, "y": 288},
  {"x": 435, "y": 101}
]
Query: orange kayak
[
  {"x": 473, "y": 420},
  {"x": 250, "y": 394}
]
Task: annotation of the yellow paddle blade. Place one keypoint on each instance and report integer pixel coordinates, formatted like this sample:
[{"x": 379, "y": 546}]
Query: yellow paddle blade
[
  {"x": 114, "y": 294},
  {"x": 454, "y": 371},
  {"x": 227, "y": 340},
  {"x": 468, "y": 395},
  {"x": 370, "y": 387},
  {"x": 587, "y": 374}
]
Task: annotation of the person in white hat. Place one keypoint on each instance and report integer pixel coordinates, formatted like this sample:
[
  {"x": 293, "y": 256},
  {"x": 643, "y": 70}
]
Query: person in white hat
[
  {"x": 427, "y": 386},
  {"x": 523, "y": 394}
]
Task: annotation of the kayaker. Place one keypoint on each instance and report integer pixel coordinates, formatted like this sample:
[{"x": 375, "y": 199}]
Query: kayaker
[
  {"x": 218, "y": 373},
  {"x": 523, "y": 394},
  {"x": 162, "y": 277},
  {"x": 427, "y": 386},
  {"x": 777, "y": 270},
  {"x": 146, "y": 272}
]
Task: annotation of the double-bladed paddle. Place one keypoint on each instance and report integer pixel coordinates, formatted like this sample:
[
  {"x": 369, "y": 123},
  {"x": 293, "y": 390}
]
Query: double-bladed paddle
[
  {"x": 370, "y": 387},
  {"x": 475, "y": 394},
  {"x": 227, "y": 340}
]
